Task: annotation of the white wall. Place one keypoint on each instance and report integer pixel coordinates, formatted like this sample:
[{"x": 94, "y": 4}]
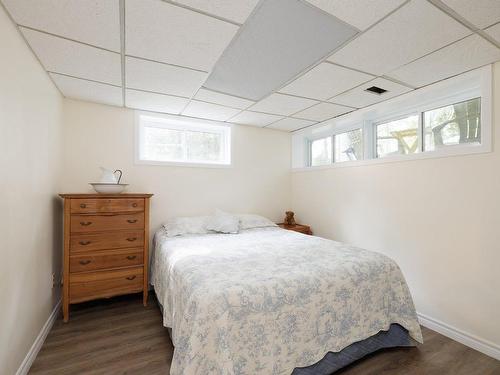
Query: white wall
[
  {"x": 259, "y": 180},
  {"x": 438, "y": 218},
  {"x": 30, "y": 219}
]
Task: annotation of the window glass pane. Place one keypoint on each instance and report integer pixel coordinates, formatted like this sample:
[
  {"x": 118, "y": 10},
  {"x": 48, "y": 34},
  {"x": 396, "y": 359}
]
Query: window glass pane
[
  {"x": 321, "y": 151},
  {"x": 453, "y": 124},
  {"x": 349, "y": 146},
  {"x": 203, "y": 146},
  {"x": 162, "y": 144},
  {"x": 398, "y": 137}
]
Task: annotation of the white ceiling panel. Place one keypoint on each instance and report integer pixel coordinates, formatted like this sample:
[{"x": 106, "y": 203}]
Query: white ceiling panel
[
  {"x": 324, "y": 81},
  {"x": 323, "y": 111},
  {"x": 359, "y": 13},
  {"x": 209, "y": 111},
  {"x": 280, "y": 104},
  {"x": 164, "y": 32},
  {"x": 148, "y": 101},
  {"x": 92, "y": 22},
  {"x": 409, "y": 33},
  {"x": 80, "y": 60},
  {"x": 481, "y": 13},
  {"x": 162, "y": 78},
  {"x": 254, "y": 118},
  {"x": 290, "y": 124},
  {"x": 466, "y": 54},
  {"x": 237, "y": 11},
  {"x": 81, "y": 89},
  {"x": 223, "y": 99},
  {"x": 494, "y": 32},
  {"x": 360, "y": 98}
]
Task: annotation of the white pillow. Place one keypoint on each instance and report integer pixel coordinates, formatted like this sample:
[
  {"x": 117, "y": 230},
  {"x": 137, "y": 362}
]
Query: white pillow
[
  {"x": 180, "y": 226},
  {"x": 223, "y": 222},
  {"x": 248, "y": 221}
]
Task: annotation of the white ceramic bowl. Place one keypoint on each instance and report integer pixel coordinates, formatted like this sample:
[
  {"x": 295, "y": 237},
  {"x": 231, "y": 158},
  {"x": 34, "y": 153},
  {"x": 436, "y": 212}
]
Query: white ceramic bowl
[{"x": 105, "y": 188}]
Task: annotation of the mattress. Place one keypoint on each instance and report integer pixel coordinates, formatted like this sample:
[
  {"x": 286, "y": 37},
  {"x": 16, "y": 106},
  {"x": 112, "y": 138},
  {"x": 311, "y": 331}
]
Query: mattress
[{"x": 268, "y": 301}]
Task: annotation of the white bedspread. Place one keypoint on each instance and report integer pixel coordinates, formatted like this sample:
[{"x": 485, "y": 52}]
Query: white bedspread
[{"x": 266, "y": 301}]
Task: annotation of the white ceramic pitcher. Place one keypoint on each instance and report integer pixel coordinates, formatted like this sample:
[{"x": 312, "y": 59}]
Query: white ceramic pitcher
[{"x": 109, "y": 177}]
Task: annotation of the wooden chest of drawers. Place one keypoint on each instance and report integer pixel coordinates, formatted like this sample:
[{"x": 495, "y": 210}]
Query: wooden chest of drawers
[{"x": 106, "y": 242}]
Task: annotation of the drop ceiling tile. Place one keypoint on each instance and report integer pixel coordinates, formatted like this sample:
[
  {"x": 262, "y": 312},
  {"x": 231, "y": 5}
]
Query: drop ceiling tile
[
  {"x": 324, "y": 81},
  {"x": 481, "y": 13},
  {"x": 162, "y": 78},
  {"x": 223, "y": 99},
  {"x": 280, "y": 104},
  {"x": 160, "y": 31},
  {"x": 323, "y": 111},
  {"x": 466, "y": 54},
  {"x": 92, "y": 22},
  {"x": 254, "y": 118},
  {"x": 291, "y": 124},
  {"x": 359, "y": 13},
  {"x": 412, "y": 31},
  {"x": 80, "y": 60},
  {"x": 360, "y": 98},
  {"x": 494, "y": 32},
  {"x": 209, "y": 111},
  {"x": 237, "y": 11},
  {"x": 149, "y": 101},
  {"x": 82, "y": 89}
]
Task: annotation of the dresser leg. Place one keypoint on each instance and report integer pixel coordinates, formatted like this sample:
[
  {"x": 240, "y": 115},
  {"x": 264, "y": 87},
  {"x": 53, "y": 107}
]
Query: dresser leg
[
  {"x": 65, "y": 312},
  {"x": 145, "y": 297}
]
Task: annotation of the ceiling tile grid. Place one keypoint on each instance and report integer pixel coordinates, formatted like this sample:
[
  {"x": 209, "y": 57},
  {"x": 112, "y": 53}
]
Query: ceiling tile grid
[
  {"x": 290, "y": 124},
  {"x": 254, "y": 118},
  {"x": 494, "y": 32},
  {"x": 236, "y": 11},
  {"x": 322, "y": 112},
  {"x": 222, "y": 99},
  {"x": 148, "y": 101},
  {"x": 75, "y": 59},
  {"x": 280, "y": 104},
  {"x": 481, "y": 13},
  {"x": 209, "y": 111}
]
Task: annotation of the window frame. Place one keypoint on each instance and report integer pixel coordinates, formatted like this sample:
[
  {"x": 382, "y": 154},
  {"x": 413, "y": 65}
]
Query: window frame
[
  {"x": 467, "y": 86},
  {"x": 184, "y": 123}
]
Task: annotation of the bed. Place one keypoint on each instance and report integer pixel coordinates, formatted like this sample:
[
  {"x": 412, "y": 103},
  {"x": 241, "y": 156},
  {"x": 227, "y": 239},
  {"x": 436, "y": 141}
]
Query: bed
[{"x": 272, "y": 301}]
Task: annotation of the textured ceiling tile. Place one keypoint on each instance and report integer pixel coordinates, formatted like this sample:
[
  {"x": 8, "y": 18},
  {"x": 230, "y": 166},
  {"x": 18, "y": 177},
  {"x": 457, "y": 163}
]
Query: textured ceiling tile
[
  {"x": 92, "y": 22},
  {"x": 254, "y": 118},
  {"x": 209, "y": 111},
  {"x": 481, "y": 13},
  {"x": 291, "y": 124},
  {"x": 323, "y": 111},
  {"x": 494, "y": 32},
  {"x": 80, "y": 60},
  {"x": 280, "y": 104},
  {"x": 237, "y": 11},
  {"x": 160, "y": 31},
  {"x": 223, "y": 99},
  {"x": 324, "y": 81},
  {"x": 469, "y": 53},
  {"x": 81, "y": 89},
  {"x": 359, "y": 13},
  {"x": 148, "y": 101},
  {"x": 409, "y": 33},
  {"x": 360, "y": 98},
  {"x": 162, "y": 78}
]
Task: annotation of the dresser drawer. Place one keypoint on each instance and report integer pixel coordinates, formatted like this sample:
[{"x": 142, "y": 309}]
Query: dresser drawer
[
  {"x": 106, "y": 259},
  {"x": 95, "y": 223},
  {"x": 90, "y": 285},
  {"x": 106, "y": 241},
  {"x": 101, "y": 205}
]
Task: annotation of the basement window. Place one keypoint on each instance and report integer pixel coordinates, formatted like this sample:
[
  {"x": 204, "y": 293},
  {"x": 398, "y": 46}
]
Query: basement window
[{"x": 165, "y": 139}]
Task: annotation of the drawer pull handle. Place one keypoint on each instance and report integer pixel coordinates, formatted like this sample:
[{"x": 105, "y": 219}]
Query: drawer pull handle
[
  {"x": 84, "y": 262},
  {"x": 85, "y": 223},
  {"x": 134, "y": 204},
  {"x": 131, "y": 257},
  {"x": 132, "y": 221},
  {"x": 130, "y": 277},
  {"x": 84, "y": 243},
  {"x": 83, "y": 205},
  {"x": 131, "y": 239}
]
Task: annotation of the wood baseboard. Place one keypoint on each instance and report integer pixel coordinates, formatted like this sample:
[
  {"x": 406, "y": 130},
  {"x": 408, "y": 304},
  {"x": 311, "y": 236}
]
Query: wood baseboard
[
  {"x": 484, "y": 346},
  {"x": 40, "y": 339}
]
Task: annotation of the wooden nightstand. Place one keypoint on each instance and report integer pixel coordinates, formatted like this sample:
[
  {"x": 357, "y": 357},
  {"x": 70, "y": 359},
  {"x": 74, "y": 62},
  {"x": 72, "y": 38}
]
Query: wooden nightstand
[{"x": 306, "y": 229}]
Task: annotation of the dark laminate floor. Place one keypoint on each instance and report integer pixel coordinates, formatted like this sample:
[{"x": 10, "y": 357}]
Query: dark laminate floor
[{"x": 119, "y": 336}]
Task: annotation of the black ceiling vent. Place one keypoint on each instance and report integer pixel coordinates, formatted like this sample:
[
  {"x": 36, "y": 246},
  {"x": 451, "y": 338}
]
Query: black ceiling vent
[{"x": 376, "y": 90}]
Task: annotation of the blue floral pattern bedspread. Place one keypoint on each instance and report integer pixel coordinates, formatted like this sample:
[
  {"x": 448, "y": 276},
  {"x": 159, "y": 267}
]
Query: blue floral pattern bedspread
[{"x": 266, "y": 301}]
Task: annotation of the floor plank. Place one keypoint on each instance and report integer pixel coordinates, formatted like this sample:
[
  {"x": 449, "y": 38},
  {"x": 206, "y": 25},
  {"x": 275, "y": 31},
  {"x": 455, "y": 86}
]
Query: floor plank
[{"x": 120, "y": 336}]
